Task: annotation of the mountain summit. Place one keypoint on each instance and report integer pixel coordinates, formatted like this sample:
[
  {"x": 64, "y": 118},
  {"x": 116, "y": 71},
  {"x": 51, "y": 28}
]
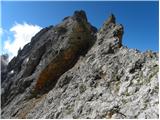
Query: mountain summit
[{"x": 73, "y": 70}]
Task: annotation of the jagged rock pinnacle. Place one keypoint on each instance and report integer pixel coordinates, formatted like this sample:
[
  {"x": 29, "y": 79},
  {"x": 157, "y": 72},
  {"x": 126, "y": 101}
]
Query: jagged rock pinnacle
[
  {"x": 111, "y": 30},
  {"x": 111, "y": 19},
  {"x": 80, "y": 15}
]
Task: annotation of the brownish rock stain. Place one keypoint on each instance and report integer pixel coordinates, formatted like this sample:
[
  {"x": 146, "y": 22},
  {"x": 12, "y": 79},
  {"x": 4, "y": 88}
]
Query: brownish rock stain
[{"x": 78, "y": 42}]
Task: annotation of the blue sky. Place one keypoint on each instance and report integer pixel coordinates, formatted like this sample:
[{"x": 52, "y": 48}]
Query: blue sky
[{"x": 140, "y": 19}]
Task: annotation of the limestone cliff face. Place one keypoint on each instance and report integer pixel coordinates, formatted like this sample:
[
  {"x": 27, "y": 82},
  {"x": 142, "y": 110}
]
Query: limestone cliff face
[{"x": 71, "y": 70}]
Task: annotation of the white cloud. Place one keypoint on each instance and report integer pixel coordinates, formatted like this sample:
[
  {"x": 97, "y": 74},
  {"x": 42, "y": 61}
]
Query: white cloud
[{"x": 22, "y": 34}]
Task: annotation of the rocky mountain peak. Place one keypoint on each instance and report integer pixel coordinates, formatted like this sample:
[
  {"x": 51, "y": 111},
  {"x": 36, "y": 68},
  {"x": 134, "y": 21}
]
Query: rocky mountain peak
[
  {"x": 80, "y": 15},
  {"x": 53, "y": 51},
  {"x": 111, "y": 19},
  {"x": 111, "y": 34},
  {"x": 71, "y": 70}
]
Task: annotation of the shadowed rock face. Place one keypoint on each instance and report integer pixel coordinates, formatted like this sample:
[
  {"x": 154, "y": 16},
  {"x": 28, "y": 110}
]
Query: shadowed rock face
[
  {"x": 79, "y": 40},
  {"x": 4, "y": 62},
  {"x": 71, "y": 70}
]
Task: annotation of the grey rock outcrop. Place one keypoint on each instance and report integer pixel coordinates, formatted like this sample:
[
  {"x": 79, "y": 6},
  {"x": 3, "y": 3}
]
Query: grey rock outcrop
[
  {"x": 72, "y": 70},
  {"x": 4, "y": 63}
]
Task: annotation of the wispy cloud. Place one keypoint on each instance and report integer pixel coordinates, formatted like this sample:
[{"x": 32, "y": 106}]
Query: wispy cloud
[{"x": 22, "y": 34}]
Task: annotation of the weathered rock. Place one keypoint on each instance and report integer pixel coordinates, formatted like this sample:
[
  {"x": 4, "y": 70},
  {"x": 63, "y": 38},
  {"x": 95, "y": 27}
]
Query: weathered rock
[
  {"x": 71, "y": 73},
  {"x": 4, "y": 63}
]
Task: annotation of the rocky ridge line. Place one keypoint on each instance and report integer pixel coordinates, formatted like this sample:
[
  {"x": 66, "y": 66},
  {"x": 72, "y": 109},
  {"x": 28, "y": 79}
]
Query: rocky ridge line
[{"x": 71, "y": 70}]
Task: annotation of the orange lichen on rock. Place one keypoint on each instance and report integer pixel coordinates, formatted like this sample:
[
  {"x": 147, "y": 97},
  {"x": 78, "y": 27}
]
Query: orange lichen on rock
[
  {"x": 119, "y": 35},
  {"x": 55, "y": 69},
  {"x": 69, "y": 54},
  {"x": 77, "y": 44}
]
